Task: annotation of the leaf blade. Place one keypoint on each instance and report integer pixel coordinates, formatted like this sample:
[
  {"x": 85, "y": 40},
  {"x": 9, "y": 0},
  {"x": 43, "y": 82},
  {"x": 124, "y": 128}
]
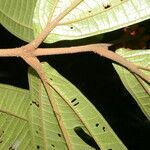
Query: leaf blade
[
  {"x": 16, "y": 17},
  {"x": 139, "y": 89},
  {"x": 89, "y": 17},
  {"x": 14, "y": 130},
  {"x": 54, "y": 135},
  {"x": 102, "y": 133},
  {"x": 43, "y": 124}
]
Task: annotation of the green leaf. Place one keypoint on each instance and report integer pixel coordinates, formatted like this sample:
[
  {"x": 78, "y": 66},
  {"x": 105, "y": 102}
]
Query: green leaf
[
  {"x": 90, "y": 17},
  {"x": 55, "y": 124},
  {"x": 139, "y": 89},
  {"x": 14, "y": 129},
  {"x": 16, "y": 16}
]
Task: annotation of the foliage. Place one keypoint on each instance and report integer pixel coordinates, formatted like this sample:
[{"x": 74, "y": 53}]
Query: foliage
[
  {"x": 70, "y": 115},
  {"x": 138, "y": 88},
  {"x": 53, "y": 113},
  {"x": 92, "y": 20}
]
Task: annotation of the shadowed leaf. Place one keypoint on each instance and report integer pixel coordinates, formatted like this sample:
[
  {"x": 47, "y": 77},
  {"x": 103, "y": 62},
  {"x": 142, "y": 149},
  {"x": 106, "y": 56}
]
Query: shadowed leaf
[{"x": 139, "y": 89}]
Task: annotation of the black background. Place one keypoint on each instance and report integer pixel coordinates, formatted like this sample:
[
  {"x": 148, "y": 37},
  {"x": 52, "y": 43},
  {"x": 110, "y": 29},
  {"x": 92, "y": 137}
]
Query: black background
[{"x": 95, "y": 77}]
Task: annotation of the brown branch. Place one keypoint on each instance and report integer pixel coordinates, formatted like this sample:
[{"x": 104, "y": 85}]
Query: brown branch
[
  {"x": 101, "y": 49},
  {"x": 57, "y": 114},
  {"x": 10, "y": 52},
  {"x": 70, "y": 50},
  {"x": 36, "y": 65},
  {"x": 120, "y": 60},
  {"x": 30, "y": 52},
  {"x": 31, "y": 49}
]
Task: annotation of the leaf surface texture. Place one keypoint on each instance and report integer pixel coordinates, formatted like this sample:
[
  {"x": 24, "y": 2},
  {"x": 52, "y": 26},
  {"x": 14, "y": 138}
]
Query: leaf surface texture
[{"x": 139, "y": 89}]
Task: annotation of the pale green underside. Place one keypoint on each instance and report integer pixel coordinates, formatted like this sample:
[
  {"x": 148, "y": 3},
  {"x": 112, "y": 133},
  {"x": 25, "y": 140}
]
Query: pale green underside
[
  {"x": 89, "y": 18},
  {"x": 27, "y": 18},
  {"x": 140, "y": 58},
  {"x": 14, "y": 129},
  {"x": 16, "y": 16},
  {"x": 28, "y": 120},
  {"x": 83, "y": 115}
]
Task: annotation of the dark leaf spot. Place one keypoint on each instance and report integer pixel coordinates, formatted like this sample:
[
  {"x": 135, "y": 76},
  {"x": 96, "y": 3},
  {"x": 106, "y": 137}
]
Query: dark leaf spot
[
  {"x": 71, "y": 27},
  {"x": 76, "y": 104},
  {"x": 51, "y": 79},
  {"x": 1, "y": 141},
  {"x": 109, "y": 149},
  {"x": 86, "y": 138},
  {"x": 97, "y": 124},
  {"x": 37, "y": 132},
  {"x": 89, "y": 11},
  {"x": 104, "y": 129},
  {"x": 38, "y": 147},
  {"x": 35, "y": 103},
  {"x": 73, "y": 100},
  {"x": 53, "y": 145},
  {"x": 106, "y": 6},
  {"x": 10, "y": 148},
  {"x": 1, "y": 133},
  {"x": 59, "y": 134}
]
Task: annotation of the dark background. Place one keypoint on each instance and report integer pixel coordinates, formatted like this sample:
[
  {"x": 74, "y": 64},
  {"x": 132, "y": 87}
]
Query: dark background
[{"x": 95, "y": 77}]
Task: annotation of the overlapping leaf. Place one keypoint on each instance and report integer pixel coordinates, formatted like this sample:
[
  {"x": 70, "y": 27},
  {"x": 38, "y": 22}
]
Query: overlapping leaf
[
  {"x": 139, "y": 89},
  {"x": 45, "y": 130},
  {"x": 54, "y": 125},
  {"x": 90, "y": 17},
  {"x": 17, "y": 16},
  {"x": 14, "y": 129}
]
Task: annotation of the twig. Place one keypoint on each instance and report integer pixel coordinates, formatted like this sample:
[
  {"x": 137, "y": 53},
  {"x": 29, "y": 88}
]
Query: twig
[
  {"x": 70, "y": 50},
  {"x": 38, "y": 68},
  {"x": 101, "y": 49},
  {"x": 120, "y": 60},
  {"x": 30, "y": 50},
  {"x": 10, "y": 52}
]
